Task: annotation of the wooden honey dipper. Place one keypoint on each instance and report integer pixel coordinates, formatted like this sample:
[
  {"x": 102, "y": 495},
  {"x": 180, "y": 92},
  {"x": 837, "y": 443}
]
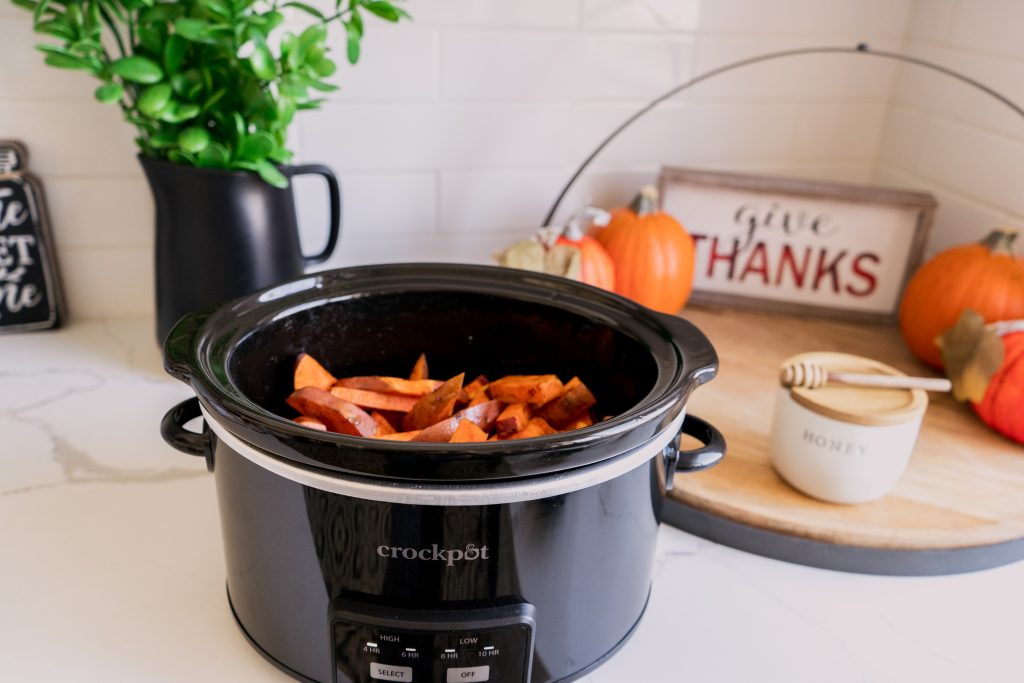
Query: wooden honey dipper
[{"x": 814, "y": 376}]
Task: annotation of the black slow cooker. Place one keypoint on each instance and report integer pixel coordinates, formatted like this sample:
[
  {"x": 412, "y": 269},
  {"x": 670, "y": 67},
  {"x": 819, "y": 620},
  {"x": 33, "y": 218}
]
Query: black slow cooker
[{"x": 353, "y": 560}]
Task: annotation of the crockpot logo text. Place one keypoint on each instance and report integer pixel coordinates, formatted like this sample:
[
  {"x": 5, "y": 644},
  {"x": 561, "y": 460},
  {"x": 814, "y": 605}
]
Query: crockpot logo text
[{"x": 434, "y": 553}]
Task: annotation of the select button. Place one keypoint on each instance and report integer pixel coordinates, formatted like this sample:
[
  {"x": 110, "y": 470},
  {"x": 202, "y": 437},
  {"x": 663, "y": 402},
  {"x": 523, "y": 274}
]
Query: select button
[
  {"x": 386, "y": 672},
  {"x": 469, "y": 673}
]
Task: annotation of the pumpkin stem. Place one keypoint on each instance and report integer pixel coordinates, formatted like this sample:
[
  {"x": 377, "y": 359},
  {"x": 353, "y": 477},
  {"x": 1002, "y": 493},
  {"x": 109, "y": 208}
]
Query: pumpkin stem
[
  {"x": 1000, "y": 241},
  {"x": 646, "y": 201}
]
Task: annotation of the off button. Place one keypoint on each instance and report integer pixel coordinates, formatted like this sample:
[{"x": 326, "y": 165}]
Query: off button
[
  {"x": 385, "y": 672},
  {"x": 469, "y": 673}
]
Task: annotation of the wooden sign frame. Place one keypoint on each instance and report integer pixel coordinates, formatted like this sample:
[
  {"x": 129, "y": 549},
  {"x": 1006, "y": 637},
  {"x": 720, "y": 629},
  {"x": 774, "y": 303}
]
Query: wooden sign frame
[
  {"x": 917, "y": 208},
  {"x": 31, "y": 296}
]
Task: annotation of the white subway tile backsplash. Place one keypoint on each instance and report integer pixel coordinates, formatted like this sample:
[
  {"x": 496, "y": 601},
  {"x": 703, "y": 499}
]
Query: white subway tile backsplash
[
  {"x": 107, "y": 282},
  {"x": 22, "y": 74},
  {"x": 973, "y": 163},
  {"x": 513, "y": 65},
  {"x": 687, "y": 134},
  {"x": 71, "y": 138},
  {"x": 497, "y": 201},
  {"x": 808, "y": 77},
  {"x": 990, "y": 26},
  {"x": 100, "y": 212},
  {"x": 867, "y": 18},
  {"x": 397, "y": 62},
  {"x": 667, "y": 15},
  {"x": 456, "y": 131},
  {"x": 428, "y": 136},
  {"x": 838, "y": 132},
  {"x": 503, "y": 13}
]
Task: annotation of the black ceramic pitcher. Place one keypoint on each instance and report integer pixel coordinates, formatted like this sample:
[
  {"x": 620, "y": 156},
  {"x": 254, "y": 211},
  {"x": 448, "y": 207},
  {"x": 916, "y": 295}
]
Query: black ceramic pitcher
[{"x": 222, "y": 234}]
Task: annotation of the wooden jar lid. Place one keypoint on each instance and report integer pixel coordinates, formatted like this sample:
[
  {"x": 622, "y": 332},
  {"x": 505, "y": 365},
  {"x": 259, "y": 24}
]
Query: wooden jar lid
[{"x": 858, "y": 405}]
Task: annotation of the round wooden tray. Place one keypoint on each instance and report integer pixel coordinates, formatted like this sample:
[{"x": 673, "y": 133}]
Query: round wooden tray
[{"x": 958, "y": 507}]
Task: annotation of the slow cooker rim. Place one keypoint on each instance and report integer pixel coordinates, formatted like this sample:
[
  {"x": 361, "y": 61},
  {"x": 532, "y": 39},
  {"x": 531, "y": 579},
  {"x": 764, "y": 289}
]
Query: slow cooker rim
[{"x": 221, "y": 330}]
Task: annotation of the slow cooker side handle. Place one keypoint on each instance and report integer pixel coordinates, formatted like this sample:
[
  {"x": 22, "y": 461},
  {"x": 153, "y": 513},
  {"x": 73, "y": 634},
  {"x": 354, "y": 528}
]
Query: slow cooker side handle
[
  {"x": 699, "y": 358},
  {"x": 696, "y": 459},
  {"x": 172, "y": 428}
]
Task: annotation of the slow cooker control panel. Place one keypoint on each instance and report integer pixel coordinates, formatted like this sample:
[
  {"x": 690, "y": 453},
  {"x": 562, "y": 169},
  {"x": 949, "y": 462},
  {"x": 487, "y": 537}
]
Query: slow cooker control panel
[{"x": 373, "y": 644}]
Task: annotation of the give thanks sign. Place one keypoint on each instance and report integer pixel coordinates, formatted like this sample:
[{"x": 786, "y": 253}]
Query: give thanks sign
[
  {"x": 30, "y": 294},
  {"x": 793, "y": 245}
]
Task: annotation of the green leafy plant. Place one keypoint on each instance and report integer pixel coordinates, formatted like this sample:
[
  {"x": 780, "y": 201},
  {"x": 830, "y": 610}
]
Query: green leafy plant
[{"x": 208, "y": 83}]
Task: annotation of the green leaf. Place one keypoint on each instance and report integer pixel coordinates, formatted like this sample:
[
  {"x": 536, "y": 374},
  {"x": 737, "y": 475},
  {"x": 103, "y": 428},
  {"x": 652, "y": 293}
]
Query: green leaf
[
  {"x": 57, "y": 28},
  {"x": 65, "y": 62},
  {"x": 25, "y": 4},
  {"x": 314, "y": 35},
  {"x": 108, "y": 93},
  {"x": 320, "y": 85},
  {"x": 56, "y": 50},
  {"x": 137, "y": 69},
  {"x": 40, "y": 9},
  {"x": 240, "y": 126},
  {"x": 179, "y": 157},
  {"x": 214, "y": 99},
  {"x": 113, "y": 8},
  {"x": 385, "y": 10},
  {"x": 164, "y": 139},
  {"x": 217, "y": 8},
  {"x": 288, "y": 50},
  {"x": 262, "y": 62},
  {"x": 313, "y": 11},
  {"x": 214, "y": 155},
  {"x": 325, "y": 67},
  {"x": 174, "y": 53},
  {"x": 192, "y": 29},
  {"x": 270, "y": 174},
  {"x": 179, "y": 112},
  {"x": 193, "y": 139},
  {"x": 155, "y": 99},
  {"x": 311, "y": 104},
  {"x": 354, "y": 37},
  {"x": 357, "y": 20},
  {"x": 256, "y": 146},
  {"x": 152, "y": 38}
]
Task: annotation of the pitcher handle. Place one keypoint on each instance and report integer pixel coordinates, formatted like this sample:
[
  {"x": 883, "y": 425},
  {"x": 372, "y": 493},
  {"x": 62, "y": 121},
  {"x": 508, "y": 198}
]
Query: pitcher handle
[{"x": 334, "y": 195}]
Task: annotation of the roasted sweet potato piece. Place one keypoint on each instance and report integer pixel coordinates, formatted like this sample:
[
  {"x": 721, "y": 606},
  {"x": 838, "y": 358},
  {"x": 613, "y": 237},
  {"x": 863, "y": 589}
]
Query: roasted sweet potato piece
[
  {"x": 513, "y": 419},
  {"x": 390, "y": 385},
  {"x": 473, "y": 389},
  {"x": 419, "y": 370},
  {"x": 310, "y": 422},
  {"x": 435, "y": 406},
  {"x": 339, "y": 415},
  {"x": 467, "y": 432},
  {"x": 309, "y": 373},
  {"x": 573, "y": 401},
  {"x": 400, "y": 436},
  {"x": 482, "y": 397},
  {"x": 533, "y": 389},
  {"x": 537, "y": 426},
  {"x": 384, "y": 425},
  {"x": 483, "y": 416},
  {"x": 374, "y": 399},
  {"x": 584, "y": 420}
]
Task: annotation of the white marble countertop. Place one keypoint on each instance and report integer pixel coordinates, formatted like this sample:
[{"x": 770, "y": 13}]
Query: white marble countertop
[{"x": 111, "y": 566}]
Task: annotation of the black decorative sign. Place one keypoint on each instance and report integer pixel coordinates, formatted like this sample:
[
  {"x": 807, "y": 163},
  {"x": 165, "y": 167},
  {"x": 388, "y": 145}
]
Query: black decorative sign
[{"x": 30, "y": 292}]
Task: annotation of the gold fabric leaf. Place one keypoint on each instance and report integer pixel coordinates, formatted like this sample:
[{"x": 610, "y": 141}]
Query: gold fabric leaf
[{"x": 971, "y": 355}]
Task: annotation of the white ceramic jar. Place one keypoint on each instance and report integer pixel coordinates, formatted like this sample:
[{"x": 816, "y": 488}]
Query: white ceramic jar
[{"x": 845, "y": 444}]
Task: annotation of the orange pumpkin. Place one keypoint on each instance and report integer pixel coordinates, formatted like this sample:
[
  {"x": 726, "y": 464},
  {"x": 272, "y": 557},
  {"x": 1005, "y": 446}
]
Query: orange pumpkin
[
  {"x": 1002, "y": 407},
  {"x": 652, "y": 253},
  {"x": 596, "y": 267},
  {"x": 987, "y": 277}
]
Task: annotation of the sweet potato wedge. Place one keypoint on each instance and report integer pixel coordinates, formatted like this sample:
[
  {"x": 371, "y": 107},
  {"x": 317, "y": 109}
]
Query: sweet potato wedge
[
  {"x": 384, "y": 425},
  {"x": 435, "y": 406},
  {"x": 419, "y": 370},
  {"x": 482, "y": 415},
  {"x": 337, "y": 414},
  {"x": 310, "y": 422},
  {"x": 513, "y": 419},
  {"x": 533, "y": 389},
  {"x": 584, "y": 420},
  {"x": 374, "y": 399},
  {"x": 467, "y": 432},
  {"x": 473, "y": 389},
  {"x": 400, "y": 436},
  {"x": 390, "y": 385},
  {"x": 482, "y": 397},
  {"x": 309, "y": 373},
  {"x": 574, "y": 400},
  {"x": 537, "y": 426}
]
